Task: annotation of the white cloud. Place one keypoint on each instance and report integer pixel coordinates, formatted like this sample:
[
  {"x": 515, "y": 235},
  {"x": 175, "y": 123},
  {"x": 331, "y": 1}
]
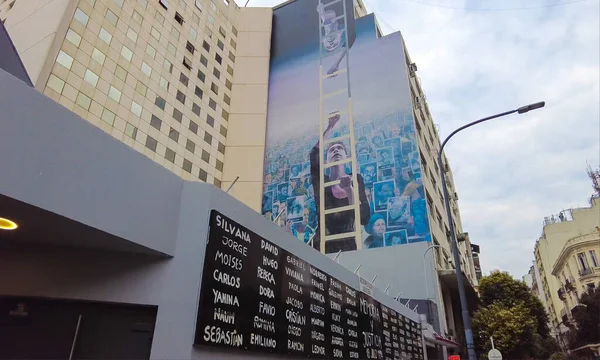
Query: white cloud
[{"x": 512, "y": 172}]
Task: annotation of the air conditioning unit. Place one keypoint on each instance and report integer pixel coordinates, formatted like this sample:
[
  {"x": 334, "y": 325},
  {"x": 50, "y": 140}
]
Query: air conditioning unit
[
  {"x": 455, "y": 196},
  {"x": 413, "y": 67},
  {"x": 446, "y": 168}
]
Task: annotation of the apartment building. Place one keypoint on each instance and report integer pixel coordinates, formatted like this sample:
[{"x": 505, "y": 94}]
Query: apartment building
[
  {"x": 156, "y": 75},
  {"x": 567, "y": 258}
]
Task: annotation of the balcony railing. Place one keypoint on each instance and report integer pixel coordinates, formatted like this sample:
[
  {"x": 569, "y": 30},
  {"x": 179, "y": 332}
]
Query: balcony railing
[{"x": 586, "y": 272}]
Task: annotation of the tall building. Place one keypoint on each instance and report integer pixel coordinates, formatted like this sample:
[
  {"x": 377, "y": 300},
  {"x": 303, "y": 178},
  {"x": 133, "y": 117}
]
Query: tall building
[
  {"x": 567, "y": 258},
  {"x": 164, "y": 77},
  {"x": 238, "y": 97}
]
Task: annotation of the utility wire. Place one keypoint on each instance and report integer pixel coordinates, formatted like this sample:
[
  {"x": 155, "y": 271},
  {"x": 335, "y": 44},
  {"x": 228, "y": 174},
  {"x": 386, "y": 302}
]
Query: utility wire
[{"x": 496, "y": 9}]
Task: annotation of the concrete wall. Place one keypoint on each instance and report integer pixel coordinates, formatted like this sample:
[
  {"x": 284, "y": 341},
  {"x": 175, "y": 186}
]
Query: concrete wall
[
  {"x": 71, "y": 168},
  {"x": 245, "y": 151},
  {"x": 37, "y": 28}
]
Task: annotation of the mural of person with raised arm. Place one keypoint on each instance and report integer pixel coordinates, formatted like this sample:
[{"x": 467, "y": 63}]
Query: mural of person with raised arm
[{"x": 338, "y": 195}]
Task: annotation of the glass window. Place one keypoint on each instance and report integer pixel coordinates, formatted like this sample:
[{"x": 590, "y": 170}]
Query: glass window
[
  {"x": 136, "y": 108},
  {"x": 159, "y": 18},
  {"x": 187, "y": 63},
  {"x": 190, "y": 146},
  {"x": 205, "y": 156},
  {"x": 171, "y": 48},
  {"x": 203, "y": 60},
  {"x": 150, "y": 51},
  {"x": 83, "y": 101},
  {"x": 184, "y": 79},
  {"x": 105, "y": 36},
  {"x": 231, "y": 56},
  {"x": 55, "y": 83},
  {"x": 163, "y": 83},
  {"x": 177, "y": 115},
  {"x": 132, "y": 35},
  {"x": 583, "y": 263},
  {"x": 141, "y": 88},
  {"x": 181, "y": 97},
  {"x": 81, "y": 17},
  {"x": 229, "y": 70},
  {"x": 190, "y": 47},
  {"x": 218, "y": 58},
  {"x": 202, "y": 175},
  {"x": 220, "y": 44},
  {"x": 155, "y": 122},
  {"x": 216, "y": 73},
  {"x": 198, "y": 92},
  {"x": 160, "y": 102},
  {"x": 206, "y": 46},
  {"x": 111, "y": 17},
  {"x": 222, "y": 31},
  {"x": 174, "y": 134},
  {"x": 228, "y": 84},
  {"x": 212, "y": 104},
  {"x": 64, "y": 59},
  {"x": 187, "y": 165},
  {"x": 108, "y": 116},
  {"x": 91, "y": 77},
  {"x": 170, "y": 155},
  {"x": 208, "y": 138},
  {"x": 73, "y": 37},
  {"x": 223, "y": 130},
  {"x": 594, "y": 258},
  {"x": 167, "y": 65},
  {"x": 214, "y": 88},
  {"x": 193, "y": 127},
  {"x": 201, "y": 76},
  {"x": 234, "y": 31},
  {"x": 155, "y": 33},
  {"x": 137, "y": 17},
  {"x": 221, "y": 148},
  {"x": 146, "y": 69},
  {"x": 114, "y": 94},
  {"x": 219, "y": 165},
  {"x": 232, "y": 43},
  {"x": 175, "y": 33},
  {"x": 225, "y": 115},
  {"x": 213, "y": 7},
  {"x": 196, "y": 109},
  {"x": 143, "y": 3},
  {"x": 226, "y": 99},
  {"x": 130, "y": 130},
  {"x": 151, "y": 143},
  {"x": 199, "y": 5},
  {"x": 178, "y": 18},
  {"x": 119, "y": 3},
  {"x": 98, "y": 56},
  {"x": 193, "y": 33},
  {"x": 126, "y": 53},
  {"x": 121, "y": 73},
  {"x": 210, "y": 120},
  {"x": 217, "y": 182}
]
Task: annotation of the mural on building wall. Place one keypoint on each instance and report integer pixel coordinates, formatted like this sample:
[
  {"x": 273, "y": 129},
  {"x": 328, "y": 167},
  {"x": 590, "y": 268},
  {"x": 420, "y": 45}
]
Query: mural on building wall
[{"x": 392, "y": 201}]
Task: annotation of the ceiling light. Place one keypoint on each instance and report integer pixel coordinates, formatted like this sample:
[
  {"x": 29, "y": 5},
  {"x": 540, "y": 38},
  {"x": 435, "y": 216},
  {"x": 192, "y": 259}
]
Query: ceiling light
[{"x": 6, "y": 224}]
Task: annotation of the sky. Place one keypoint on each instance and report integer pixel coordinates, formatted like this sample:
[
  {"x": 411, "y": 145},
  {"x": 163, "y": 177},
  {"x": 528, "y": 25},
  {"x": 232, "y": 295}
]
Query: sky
[{"x": 479, "y": 58}]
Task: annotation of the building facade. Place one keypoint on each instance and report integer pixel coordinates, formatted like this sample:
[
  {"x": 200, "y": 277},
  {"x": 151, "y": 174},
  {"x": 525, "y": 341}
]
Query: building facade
[
  {"x": 566, "y": 257},
  {"x": 197, "y": 87}
]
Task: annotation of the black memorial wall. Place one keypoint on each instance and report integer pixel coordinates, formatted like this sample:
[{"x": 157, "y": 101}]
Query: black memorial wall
[{"x": 257, "y": 296}]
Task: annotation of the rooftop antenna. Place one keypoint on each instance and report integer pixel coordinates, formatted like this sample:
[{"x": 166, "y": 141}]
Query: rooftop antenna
[
  {"x": 335, "y": 258},
  {"x": 357, "y": 268},
  {"x": 407, "y": 303},
  {"x": 233, "y": 183},
  {"x": 386, "y": 289},
  {"x": 246, "y": 4},
  {"x": 374, "y": 278},
  {"x": 398, "y": 296}
]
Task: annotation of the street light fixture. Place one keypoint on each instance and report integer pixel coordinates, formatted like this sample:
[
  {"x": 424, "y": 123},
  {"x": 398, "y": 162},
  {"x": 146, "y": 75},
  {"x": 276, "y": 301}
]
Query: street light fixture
[{"x": 453, "y": 242}]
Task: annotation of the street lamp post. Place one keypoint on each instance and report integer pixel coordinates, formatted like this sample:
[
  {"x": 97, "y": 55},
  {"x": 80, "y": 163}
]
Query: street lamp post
[{"x": 453, "y": 242}]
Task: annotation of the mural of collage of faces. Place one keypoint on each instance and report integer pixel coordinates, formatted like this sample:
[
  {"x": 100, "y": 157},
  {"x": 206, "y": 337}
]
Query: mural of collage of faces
[{"x": 389, "y": 163}]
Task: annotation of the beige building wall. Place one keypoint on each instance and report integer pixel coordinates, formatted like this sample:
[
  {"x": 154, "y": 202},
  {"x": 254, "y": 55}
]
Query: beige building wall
[
  {"x": 556, "y": 234},
  {"x": 157, "y": 75},
  {"x": 245, "y": 151}
]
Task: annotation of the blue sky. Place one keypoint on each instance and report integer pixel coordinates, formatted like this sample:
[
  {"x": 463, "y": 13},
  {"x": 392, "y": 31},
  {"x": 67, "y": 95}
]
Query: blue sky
[{"x": 472, "y": 63}]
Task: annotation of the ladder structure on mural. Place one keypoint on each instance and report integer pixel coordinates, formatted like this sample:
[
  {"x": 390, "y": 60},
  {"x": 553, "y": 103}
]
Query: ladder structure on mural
[{"x": 335, "y": 104}]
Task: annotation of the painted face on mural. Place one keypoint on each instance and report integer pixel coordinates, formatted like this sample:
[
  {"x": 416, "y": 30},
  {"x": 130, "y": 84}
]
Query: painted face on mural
[
  {"x": 336, "y": 152},
  {"x": 379, "y": 227},
  {"x": 386, "y": 191},
  {"x": 369, "y": 174}
]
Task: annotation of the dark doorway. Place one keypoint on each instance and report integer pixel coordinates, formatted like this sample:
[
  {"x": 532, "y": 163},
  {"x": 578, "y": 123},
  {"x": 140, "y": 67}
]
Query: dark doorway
[{"x": 44, "y": 329}]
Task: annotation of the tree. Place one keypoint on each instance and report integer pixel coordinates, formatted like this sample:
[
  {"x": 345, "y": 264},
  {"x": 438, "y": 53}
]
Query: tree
[
  {"x": 514, "y": 317},
  {"x": 586, "y": 319}
]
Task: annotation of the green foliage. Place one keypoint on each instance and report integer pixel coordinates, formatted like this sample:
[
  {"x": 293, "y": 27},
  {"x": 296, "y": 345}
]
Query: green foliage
[
  {"x": 514, "y": 317},
  {"x": 586, "y": 319}
]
